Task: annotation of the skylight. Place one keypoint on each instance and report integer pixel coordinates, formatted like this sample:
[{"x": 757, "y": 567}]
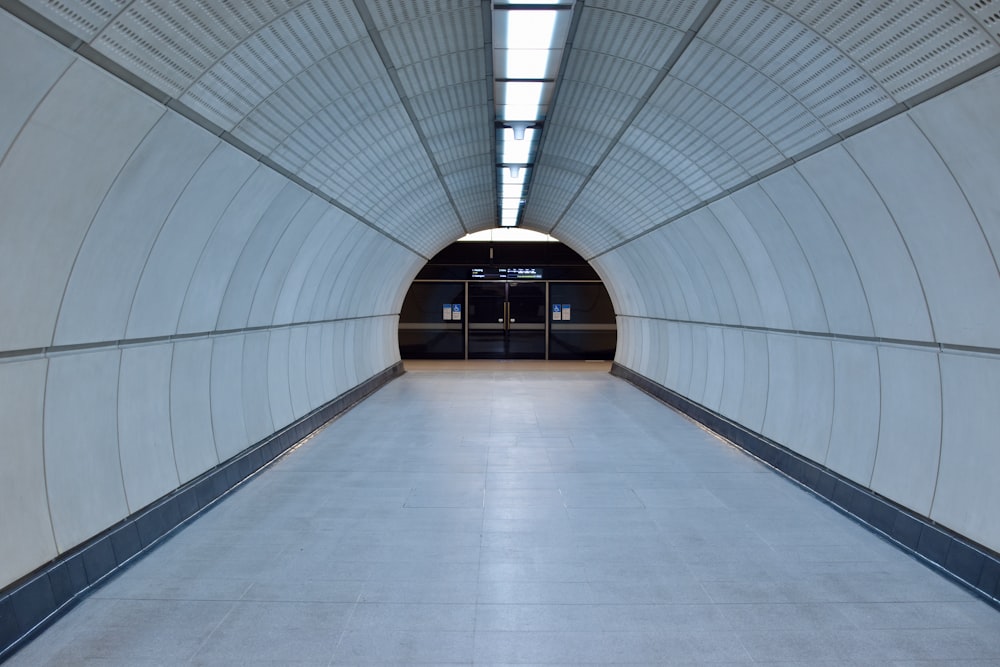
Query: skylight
[{"x": 528, "y": 38}]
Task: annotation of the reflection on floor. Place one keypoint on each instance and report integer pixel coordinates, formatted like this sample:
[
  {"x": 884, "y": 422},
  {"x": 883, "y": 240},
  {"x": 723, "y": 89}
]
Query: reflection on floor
[{"x": 506, "y": 516}]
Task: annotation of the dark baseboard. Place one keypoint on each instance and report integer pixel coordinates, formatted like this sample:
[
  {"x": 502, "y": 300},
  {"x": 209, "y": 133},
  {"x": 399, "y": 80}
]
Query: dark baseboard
[
  {"x": 34, "y": 602},
  {"x": 973, "y": 565}
]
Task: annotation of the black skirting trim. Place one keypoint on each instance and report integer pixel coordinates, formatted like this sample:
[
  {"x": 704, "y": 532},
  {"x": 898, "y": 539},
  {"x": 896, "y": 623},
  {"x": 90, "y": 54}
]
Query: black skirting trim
[
  {"x": 37, "y": 600},
  {"x": 973, "y": 565}
]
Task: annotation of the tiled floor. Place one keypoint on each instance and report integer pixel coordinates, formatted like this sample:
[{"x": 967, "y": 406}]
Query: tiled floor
[{"x": 506, "y": 514}]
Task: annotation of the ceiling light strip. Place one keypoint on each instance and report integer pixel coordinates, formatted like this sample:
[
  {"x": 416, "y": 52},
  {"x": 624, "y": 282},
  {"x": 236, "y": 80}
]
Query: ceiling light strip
[{"x": 528, "y": 38}]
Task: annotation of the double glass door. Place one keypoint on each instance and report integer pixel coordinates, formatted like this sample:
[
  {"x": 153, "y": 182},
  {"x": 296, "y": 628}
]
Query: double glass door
[{"x": 506, "y": 320}]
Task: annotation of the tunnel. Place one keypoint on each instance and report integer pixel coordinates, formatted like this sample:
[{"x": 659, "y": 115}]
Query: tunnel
[{"x": 210, "y": 214}]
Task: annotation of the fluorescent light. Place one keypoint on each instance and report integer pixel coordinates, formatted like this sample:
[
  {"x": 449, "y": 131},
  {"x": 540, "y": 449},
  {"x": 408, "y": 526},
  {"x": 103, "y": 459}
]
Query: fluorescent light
[
  {"x": 530, "y": 29},
  {"x": 512, "y": 191},
  {"x": 521, "y": 100},
  {"x": 509, "y": 177},
  {"x": 514, "y": 151},
  {"x": 527, "y": 63}
]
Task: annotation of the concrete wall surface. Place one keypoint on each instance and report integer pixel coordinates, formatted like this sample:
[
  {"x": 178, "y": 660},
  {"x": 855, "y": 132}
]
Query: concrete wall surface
[
  {"x": 166, "y": 300},
  {"x": 847, "y": 307}
]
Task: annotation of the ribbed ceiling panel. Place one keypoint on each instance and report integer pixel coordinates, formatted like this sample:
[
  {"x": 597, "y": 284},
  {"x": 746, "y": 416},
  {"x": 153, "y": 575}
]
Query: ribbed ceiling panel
[
  {"x": 986, "y": 13},
  {"x": 614, "y": 61},
  {"x": 399, "y": 128},
  {"x": 797, "y": 60},
  {"x": 83, "y": 18},
  {"x": 770, "y": 110},
  {"x": 907, "y": 46},
  {"x": 677, "y": 15}
]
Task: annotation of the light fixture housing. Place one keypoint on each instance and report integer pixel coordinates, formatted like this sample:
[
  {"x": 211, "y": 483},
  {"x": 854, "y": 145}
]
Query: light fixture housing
[{"x": 528, "y": 37}]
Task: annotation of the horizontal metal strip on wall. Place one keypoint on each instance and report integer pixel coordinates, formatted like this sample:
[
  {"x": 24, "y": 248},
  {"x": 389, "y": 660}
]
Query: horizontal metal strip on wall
[
  {"x": 54, "y": 350},
  {"x": 875, "y": 340}
]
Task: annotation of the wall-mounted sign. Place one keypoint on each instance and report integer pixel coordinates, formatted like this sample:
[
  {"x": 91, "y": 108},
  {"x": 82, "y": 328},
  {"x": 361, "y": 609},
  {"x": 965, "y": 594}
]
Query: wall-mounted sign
[
  {"x": 446, "y": 312},
  {"x": 506, "y": 273},
  {"x": 565, "y": 312},
  {"x": 556, "y": 312},
  {"x": 456, "y": 312}
]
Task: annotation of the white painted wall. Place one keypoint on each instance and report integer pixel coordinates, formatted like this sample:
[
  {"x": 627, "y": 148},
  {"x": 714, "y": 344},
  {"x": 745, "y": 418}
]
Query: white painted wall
[
  {"x": 871, "y": 269},
  {"x": 197, "y": 300}
]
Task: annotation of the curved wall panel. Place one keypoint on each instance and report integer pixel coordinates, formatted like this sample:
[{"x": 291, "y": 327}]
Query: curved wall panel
[
  {"x": 875, "y": 347},
  {"x": 26, "y": 520},
  {"x": 167, "y": 301}
]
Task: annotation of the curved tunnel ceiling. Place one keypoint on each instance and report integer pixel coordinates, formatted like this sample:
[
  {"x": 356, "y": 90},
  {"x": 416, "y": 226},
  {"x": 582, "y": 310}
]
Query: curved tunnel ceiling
[{"x": 385, "y": 108}]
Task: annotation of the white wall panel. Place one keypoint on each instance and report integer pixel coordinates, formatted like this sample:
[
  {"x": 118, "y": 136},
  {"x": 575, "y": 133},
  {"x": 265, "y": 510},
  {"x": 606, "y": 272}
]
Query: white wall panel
[
  {"x": 843, "y": 298},
  {"x": 24, "y": 50},
  {"x": 734, "y": 368},
  {"x": 675, "y": 354},
  {"x": 157, "y": 304},
  {"x": 304, "y": 261},
  {"x": 763, "y": 275},
  {"x": 314, "y": 366},
  {"x": 797, "y": 282},
  {"x": 191, "y": 408},
  {"x": 356, "y": 298},
  {"x": 715, "y": 367},
  {"x": 783, "y": 389},
  {"x": 348, "y": 349},
  {"x": 968, "y": 494},
  {"x": 145, "y": 440},
  {"x": 234, "y": 312},
  {"x": 699, "y": 362},
  {"x": 854, "y": 434},
  {"x": 756, "y": 381},
  {"x": 317, "y": 283},
  {"x": 734, "y": 269},
  {"x": 691, "y": 280},
  {"x": 107, "y": 269},
  {"x": 298, "y": 364},
  {"x": 24, "y": 521},
  {"x": 82, "y": 465},
  {"x": 285, "y": 251},
  {"x": 895, "y": 296},
  {"x": 909, "y": 439},
  {"x": 958, "y": 272},
  {"x": 962, "y": 125},
  {"x": 328, "y": 361},
  {"x": 725, "y": 307},
  {"x": 78, "y": 138},
  {"x": 228, "y": 423},
  {"x": 254, "y": 381},
  {"x": 279, "y": 377},
  {"x": 214, "y": 270},
  {"x": 812, "y": 418}
]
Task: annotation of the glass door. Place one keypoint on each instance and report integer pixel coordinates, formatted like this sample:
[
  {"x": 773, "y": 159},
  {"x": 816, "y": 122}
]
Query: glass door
[
  {"x": 487, "y": 320},
  {"x": 506, "y": 320},
  {"x": 526, "y": 320}
]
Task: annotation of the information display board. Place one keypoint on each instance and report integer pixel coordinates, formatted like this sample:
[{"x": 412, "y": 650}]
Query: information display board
[{"x": 506, "y": 273}]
